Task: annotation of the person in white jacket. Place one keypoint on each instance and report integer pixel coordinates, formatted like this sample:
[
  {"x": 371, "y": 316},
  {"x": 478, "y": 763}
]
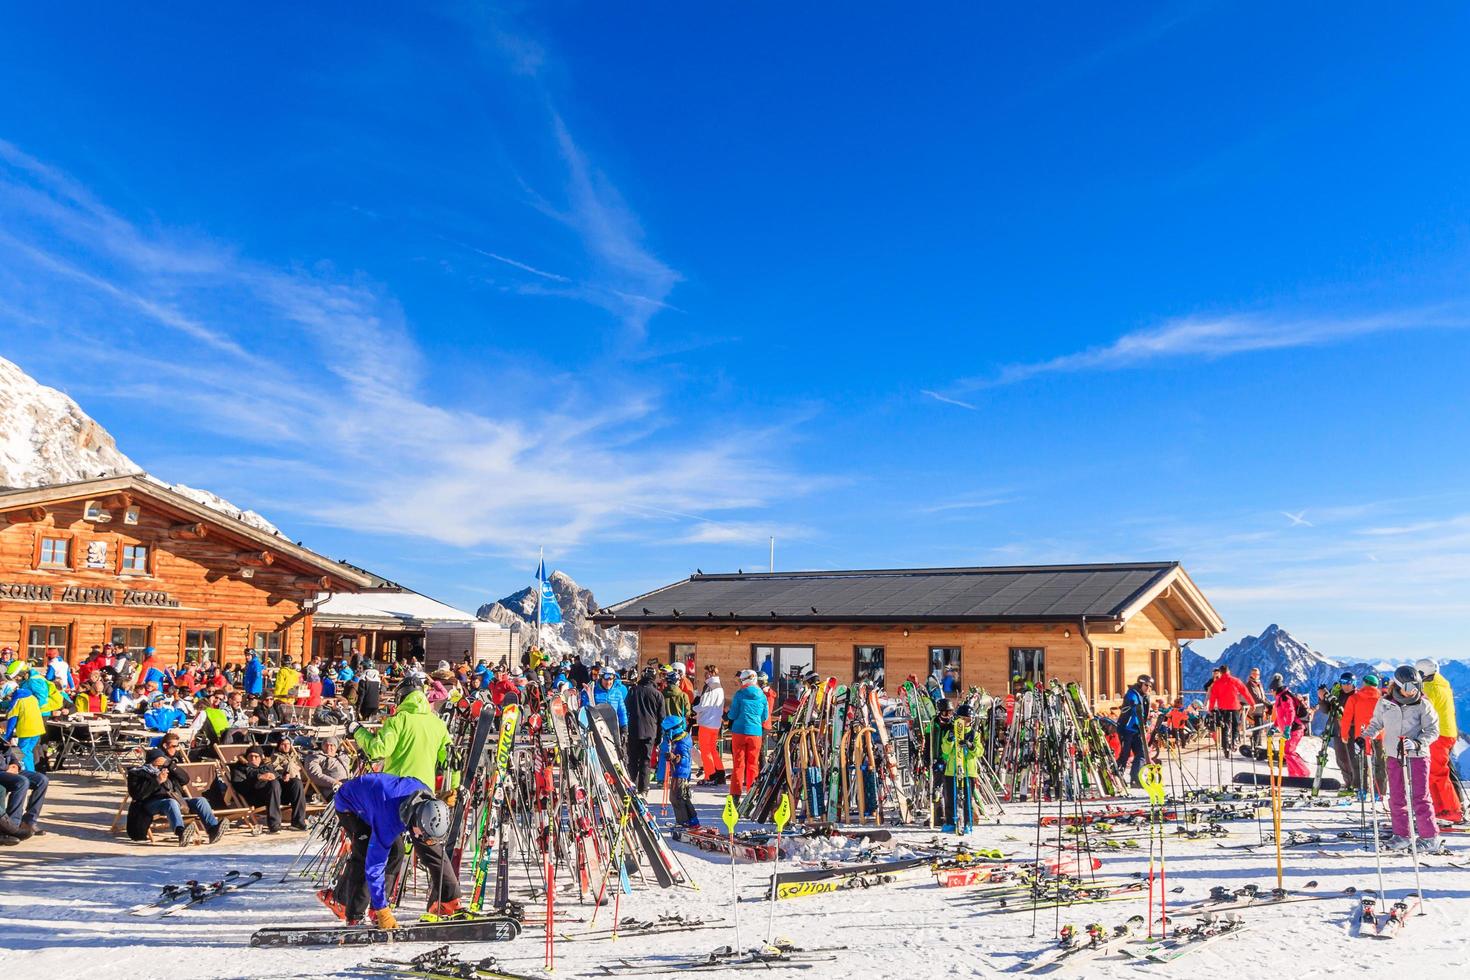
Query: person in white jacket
[
  {"x": 1409, "y": 725},
  {"x": 708, "y": 714}
]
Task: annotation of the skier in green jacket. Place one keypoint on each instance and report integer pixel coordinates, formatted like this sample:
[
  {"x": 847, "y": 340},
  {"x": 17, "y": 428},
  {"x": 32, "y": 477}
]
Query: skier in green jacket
[{"x": 414, "y": 742}]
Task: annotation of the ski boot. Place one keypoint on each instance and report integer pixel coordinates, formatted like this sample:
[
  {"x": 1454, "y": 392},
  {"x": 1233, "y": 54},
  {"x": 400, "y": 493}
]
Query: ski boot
[{"x": 327, "y": 897}]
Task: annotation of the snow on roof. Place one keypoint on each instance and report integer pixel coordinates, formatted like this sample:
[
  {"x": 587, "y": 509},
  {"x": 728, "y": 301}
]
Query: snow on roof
[{"x": 401, "y": 604}]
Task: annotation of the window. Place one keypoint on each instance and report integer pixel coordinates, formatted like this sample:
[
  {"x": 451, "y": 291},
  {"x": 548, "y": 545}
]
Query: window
[
  {"x": 1028, "y": 664},
  {"x": 133, "y": 638},
  {"x": 942, "y": 657},
  {"x": 200, "y": 644},
  {"x": 1119, "y": 684},
  {"x": 868, "y": 665},
  {"x": 130, "y": 516},
  {"x": 388, "y": 648},
  {"x": 39, "y": 639},
  {"x": 55, "y": 551},
  {"x": 784, "y": 665},
  {"x": 94, "y": 511},
  {"x": 1104, "y": 674},
  {"x": 268, "y": 645},
  {"x": 135, "y": 558},
  {"x": 681, "y": 653}
]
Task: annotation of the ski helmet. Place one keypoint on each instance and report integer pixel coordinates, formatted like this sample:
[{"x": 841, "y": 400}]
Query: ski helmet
[
  {"x": 1407, "y": 679},
  {"x": 412, "y": 681},
  {"x": 1370, "y": 680},
  {"x": 673, "y": 725},
  {"x": 963, "y": 711},
  {"x": 1427, "y": 667},
  {"x": 943, "y": 705},
  {"x": 427, "y": 815}
]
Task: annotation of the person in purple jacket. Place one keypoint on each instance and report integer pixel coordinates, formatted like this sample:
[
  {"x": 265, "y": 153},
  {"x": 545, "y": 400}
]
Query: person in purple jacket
[{"x": 376, "y": 810}]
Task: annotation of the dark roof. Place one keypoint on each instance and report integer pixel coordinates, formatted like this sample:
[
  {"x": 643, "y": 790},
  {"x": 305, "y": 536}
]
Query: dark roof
[
  {"x": 1032, "y": 593},
  {"x": 378, "y": 581}
]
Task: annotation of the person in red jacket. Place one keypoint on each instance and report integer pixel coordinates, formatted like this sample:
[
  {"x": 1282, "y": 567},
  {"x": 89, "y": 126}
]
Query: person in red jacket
[
  {"x": 1357, "y": 711},
  {"x": 502, "y": 685},
  {"x": 1228, "y": 696}
]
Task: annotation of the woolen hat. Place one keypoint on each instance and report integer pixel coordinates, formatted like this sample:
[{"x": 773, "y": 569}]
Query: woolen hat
[{"x": 1370, "y": 680}]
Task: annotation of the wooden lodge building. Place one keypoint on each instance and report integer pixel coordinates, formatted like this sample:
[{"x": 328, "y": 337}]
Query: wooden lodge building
[
  {"x": 127, "y": 560},
  {"x": 1099, "y": 625}
]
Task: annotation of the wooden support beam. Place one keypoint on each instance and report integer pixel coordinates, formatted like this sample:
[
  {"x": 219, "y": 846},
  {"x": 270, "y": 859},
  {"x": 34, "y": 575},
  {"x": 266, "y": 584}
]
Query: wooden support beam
[
  {"x": 25, "y": 515},
  {"x": 195, "y": 531},
  {"x": 321, "y": 583},
  {"x": 260, "y": 559},
  {"x": 122, "y": 500}
]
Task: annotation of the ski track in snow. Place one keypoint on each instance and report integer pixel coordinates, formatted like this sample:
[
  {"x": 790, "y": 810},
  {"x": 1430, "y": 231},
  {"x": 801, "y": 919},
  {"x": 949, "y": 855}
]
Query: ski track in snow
[{"x": 68, "y": 917}]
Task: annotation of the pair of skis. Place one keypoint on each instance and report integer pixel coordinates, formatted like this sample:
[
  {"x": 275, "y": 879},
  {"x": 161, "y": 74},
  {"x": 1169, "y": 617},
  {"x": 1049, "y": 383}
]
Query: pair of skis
[
  {"x": 176, "y": 898},
  {"x": 1188, "y": 939},
  {"x": 1387, "y": 925}
]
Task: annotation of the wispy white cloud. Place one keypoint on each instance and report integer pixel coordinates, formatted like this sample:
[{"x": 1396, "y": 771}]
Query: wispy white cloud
[
  {"x": 513, "y": 263},
  {"x": 319, "y": 376},
  {"x": 1215, "y": 337},
  {"x": 946, "y": 399},
  {"x": 971, "y": 501}
]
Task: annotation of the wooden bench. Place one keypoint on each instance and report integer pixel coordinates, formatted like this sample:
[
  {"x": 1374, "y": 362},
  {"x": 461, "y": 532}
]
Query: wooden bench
[
  {"x": 201, "y": 776},
  {"x": 229, "y": 755}
]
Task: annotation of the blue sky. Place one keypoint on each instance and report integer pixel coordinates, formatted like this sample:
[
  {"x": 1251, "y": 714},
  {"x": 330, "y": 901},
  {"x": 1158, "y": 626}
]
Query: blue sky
[{"x": 647, "y": 284}]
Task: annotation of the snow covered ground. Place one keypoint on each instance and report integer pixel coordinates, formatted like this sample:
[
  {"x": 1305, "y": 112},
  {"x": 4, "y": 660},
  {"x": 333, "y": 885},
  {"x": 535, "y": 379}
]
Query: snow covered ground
[{"x": 66, "y": 918}]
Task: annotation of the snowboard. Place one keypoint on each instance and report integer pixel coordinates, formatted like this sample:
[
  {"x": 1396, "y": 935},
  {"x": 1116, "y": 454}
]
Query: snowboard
[{"x": 1289, "y": 782}]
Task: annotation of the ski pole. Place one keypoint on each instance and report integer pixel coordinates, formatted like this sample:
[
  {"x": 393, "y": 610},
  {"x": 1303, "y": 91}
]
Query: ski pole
[
  {"x": 731, "y": 816},
  {"x": 1275, "y": 754},
  {"x": 783, "y": 814},
  {"x": 1377, "y": 854},
  {"x": 1409, "y": 808}
]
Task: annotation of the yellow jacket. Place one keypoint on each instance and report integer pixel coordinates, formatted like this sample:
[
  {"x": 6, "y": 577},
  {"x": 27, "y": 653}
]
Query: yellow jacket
[
  {"x": 85, "y": 706},
  {"x": 1441, "y": 698},
  {"x": 286, "y": 680},
  {"x": 27, "y": 712}
]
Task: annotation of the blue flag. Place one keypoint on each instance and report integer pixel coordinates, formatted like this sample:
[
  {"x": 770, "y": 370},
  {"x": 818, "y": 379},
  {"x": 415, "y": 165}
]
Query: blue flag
[{"x": 550, "y": 608}]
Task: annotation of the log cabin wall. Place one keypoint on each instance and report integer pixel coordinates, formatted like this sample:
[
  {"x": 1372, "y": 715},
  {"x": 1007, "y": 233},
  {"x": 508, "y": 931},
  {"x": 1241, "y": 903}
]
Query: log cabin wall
[
  {"x": 1145, "y": 644},
  {"x": 191, "y": 579}
]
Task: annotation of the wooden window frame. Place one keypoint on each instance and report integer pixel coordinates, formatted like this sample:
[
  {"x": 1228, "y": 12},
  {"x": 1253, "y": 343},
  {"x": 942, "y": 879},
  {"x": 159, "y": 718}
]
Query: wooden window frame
[
  {"x": 1011, "y": 665},
  {"x": 673, "y": 652},
  {"x": 218, "y": 632},
  {"x": 857, "y": 659},
  {"x": 51, "y": 534},
  {"x": 147, "y": 629},
  {"x": 122, "y": 561},
  {"x": 959, "y": 662},
  {"x": 47, "y": 623},
  {"x": 1120, "y": 683}
]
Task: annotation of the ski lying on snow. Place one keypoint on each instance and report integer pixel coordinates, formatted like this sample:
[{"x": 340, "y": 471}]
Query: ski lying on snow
[
  {"x": 1221, "y": 896},
  {"x": 1397, "y": 917},
  {"x": 708, "y": 839},
  {"x": 780, "y": 955},
  {"x": 1266, "y": 900},
  {"x": 173, "y": 892},
  {"x": 1189, "y": 938},
  {"x": 823, "y": 874},
  {"x": 200, "y": 894},
  {"x": 441, "y": 963},
  {"x": 481, "y": 929}
]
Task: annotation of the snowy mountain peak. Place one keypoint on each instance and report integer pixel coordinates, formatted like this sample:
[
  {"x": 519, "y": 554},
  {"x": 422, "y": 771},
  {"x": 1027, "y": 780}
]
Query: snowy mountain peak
[
  {"x": 576, "y": 635},
  {"x": 46, "y": 439}
]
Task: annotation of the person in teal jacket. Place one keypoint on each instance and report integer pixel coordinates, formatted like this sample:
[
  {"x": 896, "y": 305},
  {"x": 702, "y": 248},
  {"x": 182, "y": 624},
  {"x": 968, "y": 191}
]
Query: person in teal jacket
[{"x": 747, "y": 713}]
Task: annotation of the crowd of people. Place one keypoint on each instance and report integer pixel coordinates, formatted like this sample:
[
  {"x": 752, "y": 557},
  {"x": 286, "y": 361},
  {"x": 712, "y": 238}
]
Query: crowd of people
[{"x": 1389, "y": 736}]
